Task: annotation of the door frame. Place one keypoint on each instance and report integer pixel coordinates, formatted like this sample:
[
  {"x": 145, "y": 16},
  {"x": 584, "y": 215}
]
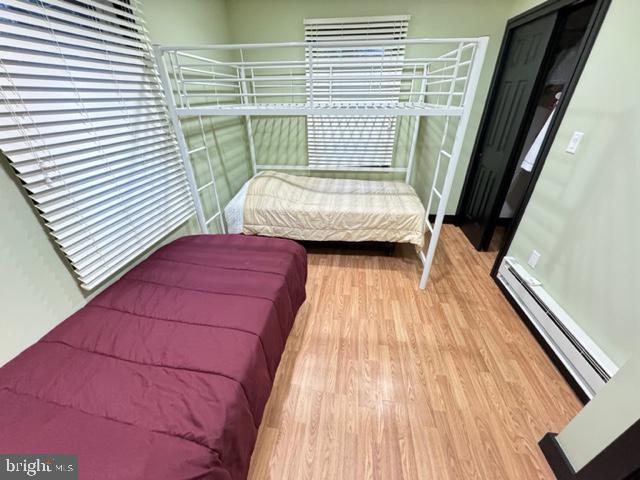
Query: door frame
[
  {"x": 469, "y": 186},
  {"x": 550, "y": 6}
]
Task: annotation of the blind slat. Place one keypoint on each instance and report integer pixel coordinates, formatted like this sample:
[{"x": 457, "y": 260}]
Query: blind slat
[
  {"x": 54, "y": 187},
  {"x": 21, "y": 142},
  {"x": 35, "y": 19},
  {"x": 81, "y": 102},
  {"x": 100, "y": 143},
  {"x": 126, "y": 12},
  {"x": 67, "y": 71},
  {"x": 126, "y": 256},
  {"x": 112, "y": 186},
  {"x": 79, "y": 243},
  {"x": 67, "y": 162},
  {"x": 80, "y": 8},
  {"x": 99, "y": 218},
  {"x": 119, "y": 239},
  {"x": 43, "y": 41},
  {"x": 68, "y": 216},
  {"x": 49, "y": 172},
  {"x": 65, "y": 39},
  {"x": 71, "y": 83},
  {"x": 34, "y": 119}
]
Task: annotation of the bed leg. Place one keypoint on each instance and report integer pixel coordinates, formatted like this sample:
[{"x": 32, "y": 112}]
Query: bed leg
[
  {"x": 426, "y": 267},
  {"x": 423, "y": 278}
]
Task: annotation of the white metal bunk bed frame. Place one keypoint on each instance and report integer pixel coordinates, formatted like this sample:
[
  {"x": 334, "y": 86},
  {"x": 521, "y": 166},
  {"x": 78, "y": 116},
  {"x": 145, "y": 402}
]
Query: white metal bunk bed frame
[{"x": 236, "y": 88}]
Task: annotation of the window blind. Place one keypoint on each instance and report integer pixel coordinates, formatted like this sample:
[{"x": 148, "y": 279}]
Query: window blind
[
  {"x": 351, "y": 142},
  {"x": 83, "y": 124}
]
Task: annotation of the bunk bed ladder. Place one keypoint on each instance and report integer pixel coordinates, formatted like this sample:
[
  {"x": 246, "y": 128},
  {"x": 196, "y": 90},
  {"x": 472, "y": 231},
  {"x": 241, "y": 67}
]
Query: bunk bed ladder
[
  {"x": 416, "y": 125},
  {"x": 185, "y": 152},
  {"x": 247, "y": 118},
  {"x": 442, "y": 194}
]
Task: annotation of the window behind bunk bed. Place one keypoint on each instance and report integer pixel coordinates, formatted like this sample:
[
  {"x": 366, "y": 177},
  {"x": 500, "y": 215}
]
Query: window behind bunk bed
[
  {"x": 84, "y": 125},
  {"x": 352, "y": 75}
]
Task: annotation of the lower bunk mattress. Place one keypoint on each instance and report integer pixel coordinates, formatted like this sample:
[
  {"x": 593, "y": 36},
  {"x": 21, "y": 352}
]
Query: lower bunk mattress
[
  {"x": 276, "y": 204},
  {"x": 165, "y": 374}
]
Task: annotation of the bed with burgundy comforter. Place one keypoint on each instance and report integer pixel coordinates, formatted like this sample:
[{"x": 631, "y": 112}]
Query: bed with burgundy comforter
[{"x": 166, "y": 373}]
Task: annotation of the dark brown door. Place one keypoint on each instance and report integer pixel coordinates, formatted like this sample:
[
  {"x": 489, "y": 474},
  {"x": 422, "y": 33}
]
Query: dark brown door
[{"x": 480, "y": 204}]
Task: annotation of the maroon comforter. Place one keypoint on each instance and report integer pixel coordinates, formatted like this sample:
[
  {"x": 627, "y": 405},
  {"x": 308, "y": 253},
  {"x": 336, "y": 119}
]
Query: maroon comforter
[{"x": 164, "y": 375}]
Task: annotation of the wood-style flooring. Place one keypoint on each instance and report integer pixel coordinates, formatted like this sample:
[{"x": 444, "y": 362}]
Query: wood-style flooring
[{"x": 381, "y": 380}]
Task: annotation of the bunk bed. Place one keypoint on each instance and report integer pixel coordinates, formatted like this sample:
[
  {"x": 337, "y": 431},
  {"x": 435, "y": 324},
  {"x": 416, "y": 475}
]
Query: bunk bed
[{"x": 332, "y": 83}]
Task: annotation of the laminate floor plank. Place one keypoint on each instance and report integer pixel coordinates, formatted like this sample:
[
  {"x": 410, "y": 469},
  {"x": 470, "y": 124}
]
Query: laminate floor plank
[{"x": 381, "y": 380}]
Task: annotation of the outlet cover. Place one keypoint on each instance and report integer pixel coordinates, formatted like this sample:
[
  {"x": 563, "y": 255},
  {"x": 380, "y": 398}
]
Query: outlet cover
[
  {"x": 533, "y": 259},
  {"x": 574, "y": 142}
]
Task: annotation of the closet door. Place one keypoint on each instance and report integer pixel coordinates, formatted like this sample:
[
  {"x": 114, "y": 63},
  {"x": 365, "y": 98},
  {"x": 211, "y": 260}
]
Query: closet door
[{"x": 515, "y": 89}]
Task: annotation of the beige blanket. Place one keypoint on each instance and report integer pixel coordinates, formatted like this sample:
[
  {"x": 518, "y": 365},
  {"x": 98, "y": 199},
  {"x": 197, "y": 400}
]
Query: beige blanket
[{"x": 311, "y": 208}]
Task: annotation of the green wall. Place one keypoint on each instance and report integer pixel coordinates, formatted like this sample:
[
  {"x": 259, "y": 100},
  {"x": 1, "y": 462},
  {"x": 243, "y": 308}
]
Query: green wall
[
  {"x": 582, "y": 219},
  {"x": 187, "y": 21},
  {"x": 282, "y": 20},
  {"x": 521, "y": 6},
  {"x": 581, "y": 215}
]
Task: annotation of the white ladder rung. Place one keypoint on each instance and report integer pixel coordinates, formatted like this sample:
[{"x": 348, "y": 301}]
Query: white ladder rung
[
  {"x": 437, "y": 192},
  {"x": 212, "y": 218},
  {"x": 428, "y": 224},
  {"x": 445, "y": 153},
  {"x": 196, "y": 150},
  {"x": 206, "y": 185}
]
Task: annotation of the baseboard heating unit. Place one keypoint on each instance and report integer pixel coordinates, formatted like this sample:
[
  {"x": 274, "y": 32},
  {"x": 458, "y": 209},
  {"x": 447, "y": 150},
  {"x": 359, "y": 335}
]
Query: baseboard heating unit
[{"x": 586, "y": 362}]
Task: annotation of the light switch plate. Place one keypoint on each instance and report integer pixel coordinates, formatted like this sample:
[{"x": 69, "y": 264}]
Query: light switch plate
[
  {"x": 574, "y": 142},
  {"x": 533, "y": 259}
]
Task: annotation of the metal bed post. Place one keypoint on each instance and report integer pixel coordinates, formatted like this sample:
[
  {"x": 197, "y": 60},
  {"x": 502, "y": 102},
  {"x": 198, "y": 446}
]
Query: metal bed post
[
  {"x": 182, "y": 143},
  {"x": 416, "y": 128},
  {"x": 472, "y": 84},
  {"x": 247, "y": 118},
  {"x": 212, "y": 182}
]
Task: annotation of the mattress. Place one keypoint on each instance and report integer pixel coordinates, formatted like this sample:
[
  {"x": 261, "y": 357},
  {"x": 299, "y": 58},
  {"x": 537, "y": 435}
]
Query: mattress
[
  {"x": 327, "y": 209},
  {"x": 166, "y": 373}
]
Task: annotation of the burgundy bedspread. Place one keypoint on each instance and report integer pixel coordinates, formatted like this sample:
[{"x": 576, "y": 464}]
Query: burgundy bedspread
[{"x": 165, "y": 374}]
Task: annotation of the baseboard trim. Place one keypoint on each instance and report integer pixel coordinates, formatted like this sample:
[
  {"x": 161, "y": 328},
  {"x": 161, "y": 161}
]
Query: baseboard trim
[
  {"x": 615, "y": 462},
  {"x": 557, "y": 362},
  {"x": 556, "y": 458},
  {"x": 448, "y": 219}
]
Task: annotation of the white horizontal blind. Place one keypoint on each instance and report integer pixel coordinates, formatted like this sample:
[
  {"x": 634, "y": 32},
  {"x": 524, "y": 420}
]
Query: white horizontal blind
[
  {"x": 83, "y": 123},
  {"x": 349, "y": 142}
]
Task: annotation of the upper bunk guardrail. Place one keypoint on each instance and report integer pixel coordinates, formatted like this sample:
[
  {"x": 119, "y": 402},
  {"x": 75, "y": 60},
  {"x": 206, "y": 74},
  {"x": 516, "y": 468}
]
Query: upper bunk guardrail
[{"x": 419, "y": 76}]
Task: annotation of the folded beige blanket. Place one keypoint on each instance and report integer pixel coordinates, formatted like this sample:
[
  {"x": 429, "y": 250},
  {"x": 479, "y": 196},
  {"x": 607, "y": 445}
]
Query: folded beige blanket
[{"x": 327, "y": 209}]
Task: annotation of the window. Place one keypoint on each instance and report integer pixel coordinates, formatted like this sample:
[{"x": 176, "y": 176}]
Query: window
[
  {"x": 352, "y": 142},
  {"x": 83, "y": 124}
]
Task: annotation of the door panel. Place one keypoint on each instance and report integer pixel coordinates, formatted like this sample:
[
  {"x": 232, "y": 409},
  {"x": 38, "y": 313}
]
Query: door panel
[{"x": 515, "y": 88}]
